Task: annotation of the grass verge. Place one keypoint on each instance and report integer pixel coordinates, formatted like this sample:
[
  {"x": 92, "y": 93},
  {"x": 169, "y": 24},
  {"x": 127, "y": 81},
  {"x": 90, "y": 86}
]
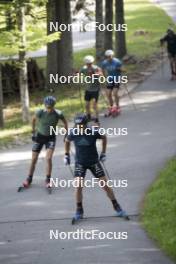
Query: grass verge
[{"x": 160, "y": 210}]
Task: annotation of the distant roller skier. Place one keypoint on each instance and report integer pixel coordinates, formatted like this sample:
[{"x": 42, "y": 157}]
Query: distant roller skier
[
  {"x": 112, "y": 68},
  {"x": 93, "y": 87},
  {"x": 41, "y": 123},
  {"x": 170, "y": 39}
]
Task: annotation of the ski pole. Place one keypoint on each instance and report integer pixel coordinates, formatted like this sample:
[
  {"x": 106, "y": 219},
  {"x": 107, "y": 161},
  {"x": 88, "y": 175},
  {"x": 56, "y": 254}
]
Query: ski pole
[
  {"x": 104, "y": 100},
  {"x": 70, "y": 169},
  {"x": 106, "y": 171},
  {"x": 162, "y": 61},
  {"x": 80, "y": 98},
  {"x": 79, "y": 90},
  {"x": 129, "y": 95}
]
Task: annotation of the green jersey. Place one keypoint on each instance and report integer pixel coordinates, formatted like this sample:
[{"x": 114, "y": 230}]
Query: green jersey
[
  {"x": 94, "y": 84},
  {"x": 45, "y": 120}
]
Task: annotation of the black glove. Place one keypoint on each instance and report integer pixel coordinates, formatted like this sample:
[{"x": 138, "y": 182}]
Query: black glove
[
  {"x": 103, "y": 157},
  {"x": 67, "y": 159},
  {"x": 33, "y": 137}
]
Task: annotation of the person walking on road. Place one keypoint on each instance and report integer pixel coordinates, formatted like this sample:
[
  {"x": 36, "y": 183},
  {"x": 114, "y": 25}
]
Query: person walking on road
[
  {"x": 170, "y": 39},
  {"x": 42, "y": 121},
  {"x": 87, "y": 158}
]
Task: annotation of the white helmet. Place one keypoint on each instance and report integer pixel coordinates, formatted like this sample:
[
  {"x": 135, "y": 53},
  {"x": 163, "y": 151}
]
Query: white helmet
[
  {"x": 88, "y": 59},
  {"x": 109, "y": 53}
]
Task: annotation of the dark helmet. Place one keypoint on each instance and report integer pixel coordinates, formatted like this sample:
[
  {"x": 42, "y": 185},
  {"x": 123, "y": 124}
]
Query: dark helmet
[
  {"x": 170, "y": 31},
  {"x": 81, "y": 119},
  {"x": 49, "y": 101}
]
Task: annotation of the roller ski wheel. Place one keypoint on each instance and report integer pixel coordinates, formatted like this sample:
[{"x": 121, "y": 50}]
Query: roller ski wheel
[
  {"x": 122, "y": 214},
  {"x": 26, "y": 185}
]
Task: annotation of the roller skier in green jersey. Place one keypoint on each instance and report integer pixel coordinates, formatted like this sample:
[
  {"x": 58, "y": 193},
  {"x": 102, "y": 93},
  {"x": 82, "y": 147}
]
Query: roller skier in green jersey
[{"x": 41, "y": 123}]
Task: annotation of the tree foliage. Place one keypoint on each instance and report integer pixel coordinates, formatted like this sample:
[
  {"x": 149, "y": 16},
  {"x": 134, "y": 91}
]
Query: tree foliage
[{"x": 35, "y": 34}]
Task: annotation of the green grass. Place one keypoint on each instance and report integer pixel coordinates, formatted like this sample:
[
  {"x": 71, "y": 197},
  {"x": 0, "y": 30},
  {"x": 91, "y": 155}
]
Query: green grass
[
  {"x": 159, "y": 211},
  {"x": 68, "y": 101},
  {"x": 140, "y": 15},
  {"x": 143, "y": 15}
]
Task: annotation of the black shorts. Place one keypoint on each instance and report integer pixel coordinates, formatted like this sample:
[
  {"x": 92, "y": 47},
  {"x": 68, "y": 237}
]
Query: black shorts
[
  {"x": 172, "y": 54},
  {"x": 111, "y": 86},
  {"x": 89, "y": 95},
  {"x": 96, "y": 169},
  {"x": 48, "y": 141}
]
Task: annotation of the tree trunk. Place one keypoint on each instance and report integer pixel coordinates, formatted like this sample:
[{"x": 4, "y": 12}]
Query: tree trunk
[
  {"x": 1, "y": 101},
  {"x": 121, "y": 49},
  {"x": 23, "y": 78},
  {"x": 60, "y": 53},
  {"x": 108, "y": 20},
  {"x": 51, "y": 47},
  {"x": 99, "y": 34}
]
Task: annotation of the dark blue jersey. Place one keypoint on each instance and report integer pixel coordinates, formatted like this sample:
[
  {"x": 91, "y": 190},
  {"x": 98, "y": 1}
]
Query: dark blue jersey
[{"x": 85, "y": 145}]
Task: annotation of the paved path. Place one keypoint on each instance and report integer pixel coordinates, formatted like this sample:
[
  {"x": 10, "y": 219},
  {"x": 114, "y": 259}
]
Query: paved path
[
  {"x": 83, "y": 40},
  {"x": 169, "y": 6},
  {"x": 26, "y": 218}
]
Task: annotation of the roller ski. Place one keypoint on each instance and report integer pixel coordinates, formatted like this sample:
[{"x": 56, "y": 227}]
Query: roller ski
[
  {"x": 113, "y": 111},
  {"x": 48, "y": 186},
  {"x": 78, "y": 216},
  {"x": 26, "y": 184}
]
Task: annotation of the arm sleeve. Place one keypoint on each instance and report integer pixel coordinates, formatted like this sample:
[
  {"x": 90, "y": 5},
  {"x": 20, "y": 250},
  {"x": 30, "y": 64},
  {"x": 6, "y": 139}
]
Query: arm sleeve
[
  {"x": 164, "y": 39},
  {"x": 60, "y": 114},
  {"x": 119, "y": 64},
  {"x": 38, "y": 113}
]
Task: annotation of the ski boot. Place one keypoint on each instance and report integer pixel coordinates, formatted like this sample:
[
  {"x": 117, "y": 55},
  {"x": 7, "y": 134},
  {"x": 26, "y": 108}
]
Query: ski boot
[
  {"x": 26, "y": 184},
  {"x": 48, "y": 185},
  {"x": 121, "y": 213},
  {"x": 109, "y": 112},
  {"x": 78, "y": 216},
  {"x": 115, "y": 111}
]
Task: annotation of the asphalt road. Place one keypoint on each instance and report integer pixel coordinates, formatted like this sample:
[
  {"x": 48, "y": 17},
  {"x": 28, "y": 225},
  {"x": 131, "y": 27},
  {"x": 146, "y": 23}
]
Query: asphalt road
[
  {"x": 169, "y": 6},
  {"x": 27, "y": 218}
]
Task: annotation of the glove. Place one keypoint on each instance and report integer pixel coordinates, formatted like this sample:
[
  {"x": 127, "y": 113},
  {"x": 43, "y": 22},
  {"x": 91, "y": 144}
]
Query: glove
[
  {"x": 67, "y": 159},
  {"x": 33, "y": 137},
  {"x": 103, "y": 157}
]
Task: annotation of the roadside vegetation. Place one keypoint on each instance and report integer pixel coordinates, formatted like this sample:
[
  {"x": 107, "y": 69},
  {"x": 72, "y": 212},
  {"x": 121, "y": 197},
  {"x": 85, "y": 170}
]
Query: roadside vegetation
[{"x": 160, "y": 210}]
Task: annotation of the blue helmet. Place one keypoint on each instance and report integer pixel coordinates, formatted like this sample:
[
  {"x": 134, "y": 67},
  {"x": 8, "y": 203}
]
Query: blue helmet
[
  {"x": 50, "y": 101},
  {"x": 81, "y": 119}
]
